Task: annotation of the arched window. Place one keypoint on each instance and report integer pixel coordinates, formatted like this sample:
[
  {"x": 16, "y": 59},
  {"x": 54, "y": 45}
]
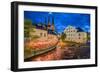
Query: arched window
[
  {"x": 44, "y": 34},
  {"x": 79, "y": 37},
  {"x": 41, "y": 34},
  {"x": 79, "y": 34}
]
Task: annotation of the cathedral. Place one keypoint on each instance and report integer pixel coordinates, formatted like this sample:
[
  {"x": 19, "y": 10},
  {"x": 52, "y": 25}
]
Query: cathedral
[
  {"x": 50, "y": 26},
  {"x": 42, "y": 30}
]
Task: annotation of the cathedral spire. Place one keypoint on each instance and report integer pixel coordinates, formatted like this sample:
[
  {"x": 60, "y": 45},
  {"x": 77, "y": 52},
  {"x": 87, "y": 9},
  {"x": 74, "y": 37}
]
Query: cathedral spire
[
  {"x": 48, "y": 20},
  {"x": 48, "y": 25},
  {"x": 53, "y": 28},
  {"x": 52, "y": 20}
]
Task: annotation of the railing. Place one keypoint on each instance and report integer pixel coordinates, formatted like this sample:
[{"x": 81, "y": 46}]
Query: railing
[{"x": 39, "y": 52}]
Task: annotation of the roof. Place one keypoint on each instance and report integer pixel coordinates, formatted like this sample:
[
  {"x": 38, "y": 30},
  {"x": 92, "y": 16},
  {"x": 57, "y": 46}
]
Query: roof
[
  {"x": 79, "y": 30},
  {"x": 41, "y": 26}
]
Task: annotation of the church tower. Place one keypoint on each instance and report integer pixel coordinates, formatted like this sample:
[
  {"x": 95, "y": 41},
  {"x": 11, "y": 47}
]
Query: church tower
[
  {"x": 52, "y": 26},
  {"x": 48, "y": 26}
]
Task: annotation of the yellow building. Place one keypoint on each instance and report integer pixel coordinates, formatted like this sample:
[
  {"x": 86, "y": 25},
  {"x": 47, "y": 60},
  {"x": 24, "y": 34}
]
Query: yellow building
[
  {"x": 42, "y": 33},
  {"x": 75, "y": 35}
]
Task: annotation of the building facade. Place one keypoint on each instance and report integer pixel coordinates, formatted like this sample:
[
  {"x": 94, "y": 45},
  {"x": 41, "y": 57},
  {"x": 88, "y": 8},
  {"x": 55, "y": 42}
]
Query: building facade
[
  {"x": 43, "y": 30},
  {"x": 41, "y": 33},
  {"x": 75, "y": 34}
]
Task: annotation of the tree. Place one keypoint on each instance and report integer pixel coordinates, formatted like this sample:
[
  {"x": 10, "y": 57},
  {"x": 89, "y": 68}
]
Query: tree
[
  {"x": 27, "y": 27},
  {"x": 63, "y": 36},
  {"x": 88, "y": 36}
]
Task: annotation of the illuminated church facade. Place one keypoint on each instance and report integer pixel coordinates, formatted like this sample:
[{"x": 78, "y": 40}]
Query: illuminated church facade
[{"x": 43, "y": 30}]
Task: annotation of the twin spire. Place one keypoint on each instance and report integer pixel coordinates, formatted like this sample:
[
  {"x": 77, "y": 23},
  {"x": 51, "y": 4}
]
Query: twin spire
[
  {"x": 50, "y": 23},
  {"x": 50, "y": 20}
]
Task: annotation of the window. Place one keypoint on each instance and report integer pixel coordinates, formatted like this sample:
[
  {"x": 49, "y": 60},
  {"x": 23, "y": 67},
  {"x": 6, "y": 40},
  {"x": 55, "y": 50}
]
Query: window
[
  {"x": 79, "y": 34},
  {"x": 44, "y": 34},
  {"x": 41, "y": 34}
]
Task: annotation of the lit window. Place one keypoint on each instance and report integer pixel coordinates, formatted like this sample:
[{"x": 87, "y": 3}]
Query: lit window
[
  {"x": 44, "y": 34},
  {"x": 79, "y": 34},
  {"x": 40, "y": 34}
]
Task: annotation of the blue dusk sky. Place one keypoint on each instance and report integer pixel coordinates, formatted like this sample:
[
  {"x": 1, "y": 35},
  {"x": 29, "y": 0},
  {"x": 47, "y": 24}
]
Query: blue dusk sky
[{"x": 61, "y": 20}]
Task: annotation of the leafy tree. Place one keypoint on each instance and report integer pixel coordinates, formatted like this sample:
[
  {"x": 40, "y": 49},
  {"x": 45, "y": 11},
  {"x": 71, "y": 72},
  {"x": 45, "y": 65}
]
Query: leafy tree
[
  {"x": 27, "y": 27},
  {"x": 63, "y": 36},
  {"x": 88, "y": 36}
]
